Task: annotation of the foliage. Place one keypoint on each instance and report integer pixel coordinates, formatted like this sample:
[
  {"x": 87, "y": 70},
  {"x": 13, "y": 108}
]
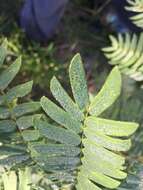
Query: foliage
[
  {"x": 38, "y": 61},
  {"x": 12, "y": 181},
  {"x": 69, "y": 152},
  {"x": 126, "y": 52},
  {"x": 77, "y": 146},
  {"x": 136, "y": 6},
  {"x": 134, "y": 180},
  {"x": 15, "y": 117}
]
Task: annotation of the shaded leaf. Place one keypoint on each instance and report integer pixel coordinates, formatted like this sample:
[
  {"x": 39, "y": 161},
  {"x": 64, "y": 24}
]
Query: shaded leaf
[
  {"x": 19, "y": 91},
  {"x": 26, "y": 108},
  {"x": 26, "y": 122},
  {"x": 8, "y": 75},
  {"x": 59, "y": 115},
  {"x": 3, "y": 52},
  {"x": 58, "y": 134}
]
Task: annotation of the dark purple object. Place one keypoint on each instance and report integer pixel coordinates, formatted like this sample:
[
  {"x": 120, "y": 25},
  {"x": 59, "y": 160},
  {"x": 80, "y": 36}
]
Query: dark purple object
[{"x": 40, "y": 18}]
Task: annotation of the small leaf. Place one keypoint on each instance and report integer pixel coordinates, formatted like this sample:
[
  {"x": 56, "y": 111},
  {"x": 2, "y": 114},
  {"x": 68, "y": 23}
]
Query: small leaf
[
  {"x": 4, "y": 113},
  {"x": 8, "y": 75},
  {"x": 58, "y": 163},
  {"x": 13, "y": 160},
  {"x": 26, "y": 108},
  {"x": 6, "y": 151},
  {"x": 19, "y": 91},
  {"x": 7, "y": 126},
  {"x": 107, "y": 142},
  {"x": 103, "y": 180},
  {"x": 95, "y": 150},
  {"x": 51, "y": 150},
  {"x": 2, "y": 99},
  {"x": 103, "y": 167},
  {"x": 25, "y": 180},
  {"x": 66, "y": 102},
  {"x": 108, "y": 94},
  {"x": 30, "y": 135},
  {"x": 3, "y": 52},
  {"x": 78, "y": 82},
  {"x": 26, "y": 122},
  {"x": 60, "y": 116},
  {"x": 58, "y": 134},
  {"x": 110, "y": 127},
  {"x": 85, "y": 183}
]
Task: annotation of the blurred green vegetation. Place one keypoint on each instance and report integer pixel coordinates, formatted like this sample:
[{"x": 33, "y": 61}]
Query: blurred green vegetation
[
  {"x": 78, "y": 33},
  {"x": 42, "y": 61}
]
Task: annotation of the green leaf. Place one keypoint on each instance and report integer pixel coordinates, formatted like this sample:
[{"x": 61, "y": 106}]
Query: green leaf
[
  {"x": 136, "y": 7},
  {"x": 63, "y": 98},
  {"x": 57, "y": 163},
  {"x": 8, "y": 75},
  {"x": 26, "y": 108},
  {"x": 13, "y": 160},
  {"x": 4, "y": 113},
  {"x": 78, "y": 82},
  {"x": 2, "y": 100},
  {"x": 30, "y": 135},
  {"x": 107, "y": 142},
  {"x": 99, "y": 178},
  {"x": 101, "y": 166},
  {"x": 85, "y": 183},
  {"x": 6, "y": 151},
  {"x": 104, "y": 154},
  {"x": 3, "y": 52},
  {"x": 52, "y": 150},
  {"x": 128, "y": 55},
  {"x": 108, "y": 94},
  {"x": 58, "y": 134},
  {"x": 60, "y": 116},
  {"x": 7, "y": 126},
  {"x": 25, "y": 179},
  {"x": 19, "y": 91},
  {"x": 110, "y": 127},
  {"x": 26, "y": 122}
]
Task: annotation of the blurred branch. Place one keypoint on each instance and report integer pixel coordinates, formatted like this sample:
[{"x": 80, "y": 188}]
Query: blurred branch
[{"x": 98, "y": 11}]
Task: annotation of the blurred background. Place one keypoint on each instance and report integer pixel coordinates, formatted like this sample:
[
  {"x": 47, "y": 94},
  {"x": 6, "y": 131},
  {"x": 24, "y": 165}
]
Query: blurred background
[{"x": 48, "y": 35}]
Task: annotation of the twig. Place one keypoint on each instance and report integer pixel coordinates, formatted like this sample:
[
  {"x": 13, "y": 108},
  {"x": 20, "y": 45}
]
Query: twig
[{"x": 98, "y": 11}]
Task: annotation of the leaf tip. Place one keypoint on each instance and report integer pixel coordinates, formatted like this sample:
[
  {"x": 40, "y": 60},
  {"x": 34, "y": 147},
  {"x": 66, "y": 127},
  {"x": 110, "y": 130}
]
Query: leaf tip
[
  {"x": 75, "y": 59},
  {"x": 43, "y": 99}
]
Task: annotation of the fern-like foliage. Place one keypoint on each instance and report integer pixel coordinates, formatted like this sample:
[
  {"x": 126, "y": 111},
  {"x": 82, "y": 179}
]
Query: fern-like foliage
[
  {"x": 77, "y": 145},
  {"x": 134, "y": 181},
  {"x": 126, "y": 52},
  {"x": 15, "y": 117},
  {"x": 136, "y": 6}
]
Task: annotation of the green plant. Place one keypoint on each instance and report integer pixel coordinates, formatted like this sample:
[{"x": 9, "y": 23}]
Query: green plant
[
  {"x": 39, "y": 63},
  {"x": 15, "y": 116},
  {"x": 136, "y": 6},
  {"x": 134, "y": 181},
  {"x": 126, "y": 52},
  {"x": 77, "y": 147},
  {"x": 82, "y": 148},
  {"x": 10, "y": 180}
]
